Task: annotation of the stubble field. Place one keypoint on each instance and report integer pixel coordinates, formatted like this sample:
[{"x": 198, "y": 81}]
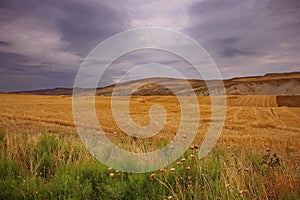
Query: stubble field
[{"x": 255, "y": 127}]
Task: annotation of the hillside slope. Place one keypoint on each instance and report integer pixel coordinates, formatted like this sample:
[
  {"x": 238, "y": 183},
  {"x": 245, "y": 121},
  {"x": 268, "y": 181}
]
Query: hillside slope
[
  {"x": 285, "y": 84},
  {"x": 270, "y": 84}
]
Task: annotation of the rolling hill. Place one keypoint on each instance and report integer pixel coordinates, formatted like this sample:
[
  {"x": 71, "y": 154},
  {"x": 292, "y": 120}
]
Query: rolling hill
[{"x": 286, "y": 84}]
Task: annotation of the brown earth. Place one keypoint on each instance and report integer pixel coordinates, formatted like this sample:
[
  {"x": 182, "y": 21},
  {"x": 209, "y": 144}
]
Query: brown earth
[
  {"x": 290, "y": 101},
  {"x": 270, "y": 84}
]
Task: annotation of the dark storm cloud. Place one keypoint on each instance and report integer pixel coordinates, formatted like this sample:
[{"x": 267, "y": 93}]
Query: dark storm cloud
[
  {"x": 10, "y": 59},
  {"x": 3, "y": 43},
  {"x": 82, "y": 24},
  {"x": 61, "y": 32},
  {"x": 235, "y": 32},
  {"x": 85, "y": 25},
  {"x": 18, "y": 65},
  {"x": 232, "y": 52},
  {"x": 42, "y": 43},
  {"x": 226, "y": 41}
]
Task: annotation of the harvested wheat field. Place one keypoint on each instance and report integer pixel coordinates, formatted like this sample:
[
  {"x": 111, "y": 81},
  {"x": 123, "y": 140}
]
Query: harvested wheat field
[
  {"x": 256, "y": 157},
  {"x": 251, "y": 121}
]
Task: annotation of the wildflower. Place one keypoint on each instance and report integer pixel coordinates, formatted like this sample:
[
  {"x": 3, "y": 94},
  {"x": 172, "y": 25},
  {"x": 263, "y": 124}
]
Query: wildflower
[
  {"x": 247, "y": 169},
  {"x": 162, "y": 170},
  {"x": 170, "y": 197},
  {"x": 178, "y": 163},
  {"x": 268, "y": 150},
  {"x": 183, "y": 160},
  {"x": 172, "y": 169},
  {"x": 152, "y": 176},
  {"x": 192, "y": 147},
  {"x": 192, "y": 156},
  {"x": 111, "y": 175},
  {"x": 188, "y": 168},
  {"x": 109, "y": 169}
]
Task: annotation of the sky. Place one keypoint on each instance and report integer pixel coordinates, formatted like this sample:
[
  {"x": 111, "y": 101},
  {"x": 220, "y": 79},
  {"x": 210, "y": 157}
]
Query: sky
[{"x": 43, "y": 43}]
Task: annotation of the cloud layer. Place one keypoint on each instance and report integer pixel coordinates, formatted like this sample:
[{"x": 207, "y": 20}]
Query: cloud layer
[{"x": 42, "y": 43}]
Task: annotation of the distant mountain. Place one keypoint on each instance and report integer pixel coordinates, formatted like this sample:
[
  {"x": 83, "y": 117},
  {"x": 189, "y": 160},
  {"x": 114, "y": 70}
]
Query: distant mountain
[
  {"x": 54, "y": 91},
  {"x": 269, "y": 84}
]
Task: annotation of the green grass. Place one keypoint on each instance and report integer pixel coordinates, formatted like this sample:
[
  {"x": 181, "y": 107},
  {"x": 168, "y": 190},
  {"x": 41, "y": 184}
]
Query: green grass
[{"x": 56, "y": 167}]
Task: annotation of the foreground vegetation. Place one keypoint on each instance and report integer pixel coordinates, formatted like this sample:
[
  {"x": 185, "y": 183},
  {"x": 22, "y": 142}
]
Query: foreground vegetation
[{"x": 58, "y": 167}]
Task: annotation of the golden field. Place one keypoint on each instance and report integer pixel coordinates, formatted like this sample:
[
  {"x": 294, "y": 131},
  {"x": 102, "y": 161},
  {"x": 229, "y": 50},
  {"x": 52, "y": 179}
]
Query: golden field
[
  {"x": 254, "y": 122},
  {"x": 257, "y": 155}
]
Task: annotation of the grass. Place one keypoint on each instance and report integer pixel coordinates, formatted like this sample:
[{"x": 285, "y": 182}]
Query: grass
[{"x": 52, "y": 166}]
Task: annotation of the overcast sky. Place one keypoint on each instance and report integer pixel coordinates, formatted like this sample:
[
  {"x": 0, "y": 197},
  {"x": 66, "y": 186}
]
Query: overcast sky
[{"x": 43, "y": 42}]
